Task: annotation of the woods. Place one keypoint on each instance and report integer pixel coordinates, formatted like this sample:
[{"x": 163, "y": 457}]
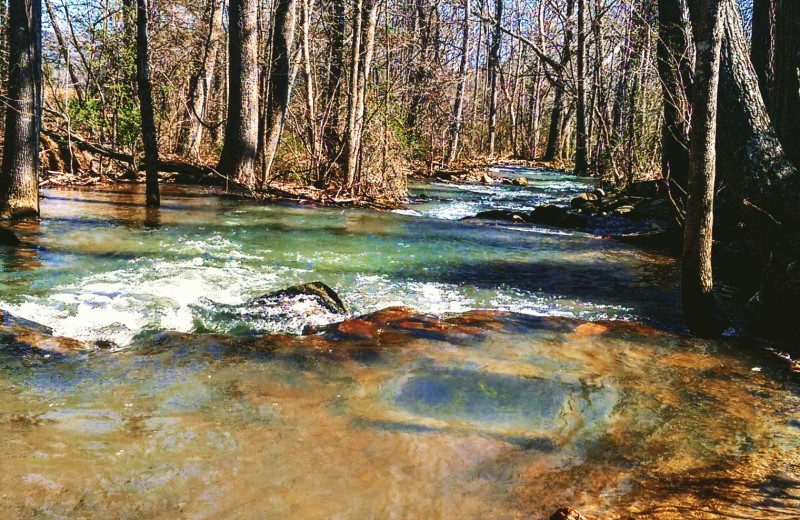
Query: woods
[{"x": 350, "y": 97}]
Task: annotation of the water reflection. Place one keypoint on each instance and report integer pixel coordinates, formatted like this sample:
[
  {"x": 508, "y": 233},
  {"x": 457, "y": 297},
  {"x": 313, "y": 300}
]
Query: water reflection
[{"x": 480, "y": 416}]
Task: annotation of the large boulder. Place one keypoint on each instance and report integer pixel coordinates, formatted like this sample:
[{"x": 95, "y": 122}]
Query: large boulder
[
  {"x": 501, "y": 214},
  {"x": 555, "y": 216},
  {"x": 299, "y": 309},
  {"x": 318, "y": 291}
]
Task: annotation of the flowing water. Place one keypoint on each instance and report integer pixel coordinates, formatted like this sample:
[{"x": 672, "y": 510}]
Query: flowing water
[{"x": 183, "y": 408}]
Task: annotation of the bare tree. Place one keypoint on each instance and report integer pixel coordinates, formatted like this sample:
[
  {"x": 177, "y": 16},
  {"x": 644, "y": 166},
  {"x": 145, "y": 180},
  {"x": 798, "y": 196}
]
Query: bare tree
[
  {"x": 581, "y": 145},
  {"x": 699, "y": 308},
  {"x": 458, "y": 105},
  {"x": 200, "y": 82},
  {"x": 675, "y": 72},
  {"x": 239, "y": 151},
  {"x": 762, "y": 47},
  {"x": 19, "y": 178},
  {"x": 786, "y": 114},
  {"x": 364, "y": 24},
  {"x": 145, "y": 89},
  {"x": 280, "y": 80},
  {"x": 494, "y": 72}
]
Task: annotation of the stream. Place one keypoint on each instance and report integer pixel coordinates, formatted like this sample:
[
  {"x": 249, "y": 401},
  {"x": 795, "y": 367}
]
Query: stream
[{"x": 484, "y": 370}]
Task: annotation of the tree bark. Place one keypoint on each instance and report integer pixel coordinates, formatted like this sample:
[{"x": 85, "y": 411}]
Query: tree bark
[
  {"x": 145, "y": 90},
  {"x": 675, "y": 73},
  {"x": 458, "y": 105},
  {"x": 786, "y": 115},
  {"x": 554, "y": 137},
  {"x": 364, "y": 24},
  {"x": 750, "y": 157},
  {"x": 494, "y": 66},
  {"x": 311, "y": 102},
  {"x": 280, "y": 81},
  {"x": 19, "y": 178},
  {"x": 200, "y": 83},
  {"x": 581, "y": 161},
  {"x": 331, "y": 137},
  {"x": 699, "y": 308},
  {"x": 238, "y": 157},
  {"x": 762, "y": 47}
]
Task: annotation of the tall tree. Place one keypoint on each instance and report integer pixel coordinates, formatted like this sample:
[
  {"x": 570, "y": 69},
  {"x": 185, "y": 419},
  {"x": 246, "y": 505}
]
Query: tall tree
[
  {"x": 364, "y": 23},
  {"x": 762, "y": 47},
  {"x": 280, "y": 80},
  {"x": 786, "y": 114},
  {"x": 62, "y": 46},
  {"x": 200, "y": 81},
  {"x": 331, "y": 137},
  {"x": 145, "y": 90},
  {"x": 699, "y": 308},
  {"x": 19, "y": 178},
  {"x": 581, "y": 145},
  {"x": 750, "y": 156},
  {"x": 239, "y": 151},
  {"x": 494, "y": 72},
  {"x": 555, "y": 135},
  {"x": 458, "y": 105},
  {"x": 675, "y": 73}
]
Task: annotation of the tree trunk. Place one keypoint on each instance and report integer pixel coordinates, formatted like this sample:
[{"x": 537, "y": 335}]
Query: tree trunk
[
  {"x": 762, "y": 47},
  {"x": 280, "y": 81},
  {"x": 675, "y": 73},
  {"x": 554, "y": 137},
  {"x": 200, "y": 84},
  {"x": 494, "y": 66},
  {"x": 458, "y": 105},
  {"x": 311, "y": 102},
  {"x": 581, "y": 162},
  {"x": 787, "y": 86},
  {"x": 331, "y": 137},
  {"x": 553, "y": 150},
  {"x": 239, "y": 151},
  {"x": 364, "y": 23},
  {"x": 699, "y": 308},
  {"x": 750, "y": 156},
  {"x": 149, "y": 138},
  {"x": 62, "y": 46},
  {"x": 19, "y": 179}
]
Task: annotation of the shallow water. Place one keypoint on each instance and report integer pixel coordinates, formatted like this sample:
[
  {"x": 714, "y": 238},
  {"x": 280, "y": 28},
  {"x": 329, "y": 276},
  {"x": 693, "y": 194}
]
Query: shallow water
[
  {"x": 192, "y": 412},
  {"x": 100, "y": 266},
  {"x": 481, "y": 416}
]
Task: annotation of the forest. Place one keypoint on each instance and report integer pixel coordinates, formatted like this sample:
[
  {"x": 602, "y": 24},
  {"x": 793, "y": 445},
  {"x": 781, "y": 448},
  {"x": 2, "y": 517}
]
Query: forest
[
  {"x": 348, "y": 99},
  {"x": 418, "y": 259}
]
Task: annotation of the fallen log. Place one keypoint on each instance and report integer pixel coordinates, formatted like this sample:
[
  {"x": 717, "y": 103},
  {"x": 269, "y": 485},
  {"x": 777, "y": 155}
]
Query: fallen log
[{"x": 179, "y": 167}]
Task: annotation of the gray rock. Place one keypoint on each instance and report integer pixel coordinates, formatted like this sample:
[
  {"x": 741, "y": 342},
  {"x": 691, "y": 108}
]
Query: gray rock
[
  {"x": 557, "y": 217},
  {"x": 500, "y": 214},
  {"x": 319, "y": 291}
]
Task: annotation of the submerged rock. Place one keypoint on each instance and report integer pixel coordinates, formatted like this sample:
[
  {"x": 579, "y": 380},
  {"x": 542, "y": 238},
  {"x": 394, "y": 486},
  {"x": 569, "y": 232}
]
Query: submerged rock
[
  {"x": 8, "y": 238},
  {"x": 319, "y": 291},
  {"x": 558, "y": 217},
  {"x": 298, "y": 309},
  {"x": 501, "y": 214},
  {"x": 18, "y": 333}
]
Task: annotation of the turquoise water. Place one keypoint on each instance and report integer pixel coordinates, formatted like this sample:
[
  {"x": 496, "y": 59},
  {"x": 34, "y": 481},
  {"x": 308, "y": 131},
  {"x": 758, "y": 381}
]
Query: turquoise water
[{"x": 100, "y": 267}]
